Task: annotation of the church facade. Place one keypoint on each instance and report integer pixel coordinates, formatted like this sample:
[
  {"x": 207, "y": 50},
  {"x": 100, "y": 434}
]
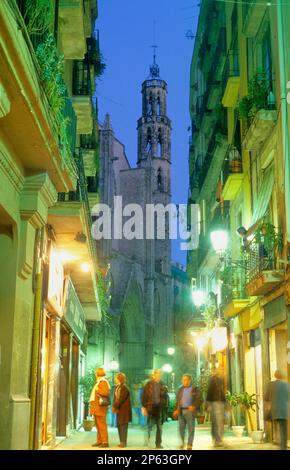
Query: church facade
[{"x": 140, "y": 325}]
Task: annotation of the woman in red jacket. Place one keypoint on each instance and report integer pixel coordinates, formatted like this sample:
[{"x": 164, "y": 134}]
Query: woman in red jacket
[
  {"x": 122, "y": 406},
  {"x": 99, "y": 403}
]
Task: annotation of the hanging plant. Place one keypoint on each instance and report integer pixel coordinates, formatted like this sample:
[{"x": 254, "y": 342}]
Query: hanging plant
[
  {"x": 95, "y": 58},
  {"x": 267, "y": 235},
  {"x": 51, "y": 65},
  {"x": 39, "y": 15}
]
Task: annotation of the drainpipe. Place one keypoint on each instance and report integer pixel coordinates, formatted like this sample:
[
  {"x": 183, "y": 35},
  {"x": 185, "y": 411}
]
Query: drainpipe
[
  {"x": 36, "y": 334},
  {"x": 284, "y": 116}
]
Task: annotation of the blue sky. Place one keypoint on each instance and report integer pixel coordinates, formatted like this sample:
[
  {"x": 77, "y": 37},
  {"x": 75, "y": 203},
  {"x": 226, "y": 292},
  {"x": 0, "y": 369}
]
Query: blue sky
[{"x": 126, "y": 34}]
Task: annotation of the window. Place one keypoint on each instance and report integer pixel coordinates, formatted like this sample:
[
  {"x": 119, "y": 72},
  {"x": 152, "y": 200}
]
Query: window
[
  {"x": 149, "y": 142},
  {"x": 150, "y": 106},
  {"x": 159, "y": 179},
  {"x": 158, "y": 106},
  {"x": 159, "y": 144}
]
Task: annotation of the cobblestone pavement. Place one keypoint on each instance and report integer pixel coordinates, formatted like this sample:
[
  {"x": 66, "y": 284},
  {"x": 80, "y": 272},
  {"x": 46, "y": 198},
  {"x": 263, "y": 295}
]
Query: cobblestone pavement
[{"x": 137, "y": 440}]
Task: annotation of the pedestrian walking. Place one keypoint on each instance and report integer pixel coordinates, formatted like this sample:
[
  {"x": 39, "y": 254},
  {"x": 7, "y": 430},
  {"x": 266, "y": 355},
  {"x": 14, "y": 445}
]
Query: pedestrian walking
[
  {"x": 188, "y": 401},
  {"x": 154, "y": 402},
  {"x": 122, "y": 407},
  {"x": 217, "y": 401},
  {"x": 277, "y": 397},
  {"x": 99, "y": 404}
]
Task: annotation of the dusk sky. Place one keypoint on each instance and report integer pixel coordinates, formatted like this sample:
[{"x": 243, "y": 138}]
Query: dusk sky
[{"x": 126, "y": 36}]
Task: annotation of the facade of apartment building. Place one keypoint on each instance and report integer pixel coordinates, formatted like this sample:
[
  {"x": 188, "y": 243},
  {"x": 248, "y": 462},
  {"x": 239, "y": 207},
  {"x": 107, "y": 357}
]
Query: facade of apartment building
[
  {"x": 48, "y": 178},
  {"x": 239, "y": 175}
]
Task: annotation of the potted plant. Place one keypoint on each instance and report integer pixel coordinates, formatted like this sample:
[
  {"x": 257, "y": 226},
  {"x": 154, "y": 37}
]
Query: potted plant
[
  {"x": 248, "y": 403},
  {"x": 233, "y": 403},
  {"x": 257, "y": 98},
  {"x": 86, "y": 384},
  {"x": 235, "y": 161}
]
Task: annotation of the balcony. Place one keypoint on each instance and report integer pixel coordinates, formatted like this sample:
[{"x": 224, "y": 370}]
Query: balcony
[
  {"x": 265, "y": 271},
  {"x": 216, "y": 71},
  {"x": 253, "y": 14},
  {"x": 212, "y": 163},
  {"x": 232, "y": 174},
  {"x": 231, "y": 79},
  {"x": 234, "y": 295},
  {"x": 260, "y": 129},
  {"x": 28, "y": 101},
  {"x": 71, "y": 221},
  {"x": 89, "y": 153},
  {"x": 82, "y": 101},
  {"x": 72, "y": 29},
  {"x": 206, "y": 258}
]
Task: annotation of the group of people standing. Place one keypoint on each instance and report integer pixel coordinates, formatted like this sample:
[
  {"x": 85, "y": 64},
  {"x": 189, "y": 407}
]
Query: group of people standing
[{"x": 154, "y": 400}]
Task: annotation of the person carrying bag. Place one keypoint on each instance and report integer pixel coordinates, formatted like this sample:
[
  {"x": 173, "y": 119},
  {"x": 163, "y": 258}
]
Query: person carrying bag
[{"x": 99, "y": 403}]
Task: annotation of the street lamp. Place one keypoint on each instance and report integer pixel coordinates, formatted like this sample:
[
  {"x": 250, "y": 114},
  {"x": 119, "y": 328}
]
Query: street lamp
[
  {"x": 170, "y": 351},
  {"x": 167, "y": 368},
  {"x": 219, "y": 240},
  {"x": 199, "y": 297}
]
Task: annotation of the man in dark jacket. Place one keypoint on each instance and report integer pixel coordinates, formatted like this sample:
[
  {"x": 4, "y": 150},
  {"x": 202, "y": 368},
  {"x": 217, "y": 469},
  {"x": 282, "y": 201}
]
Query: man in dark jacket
[
  {"x": 188, "y": 401},
  {"x": 154, "y": 401},
  {"x": 277, "y": 394},
  {"x": 217, "y": 401}
]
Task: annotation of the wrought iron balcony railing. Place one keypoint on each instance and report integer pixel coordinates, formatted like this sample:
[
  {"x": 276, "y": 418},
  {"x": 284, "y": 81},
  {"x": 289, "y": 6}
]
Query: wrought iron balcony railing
[
  {"x": 88, "y": 141},
  {"x": 81, "y": 78},
  {"x": 261, "y": 258},
  {"x": 234, "y": 282},
  {"x": 232, "y": 164}
]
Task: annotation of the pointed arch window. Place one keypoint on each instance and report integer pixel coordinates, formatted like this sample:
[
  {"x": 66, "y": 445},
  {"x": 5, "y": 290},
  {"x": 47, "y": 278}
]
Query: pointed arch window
[
  {"x": 159, "y": 144},
  {"x": 149, "y": 142},
  {"x": 158, "y": 110},
  {"x": 159, "y": 179},
  {"x": 150, "y": 105}
]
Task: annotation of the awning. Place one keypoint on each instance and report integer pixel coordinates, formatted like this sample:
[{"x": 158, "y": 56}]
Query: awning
[
  {"x": 265, "y": 194},
  {"x": 251, "y": 317}
]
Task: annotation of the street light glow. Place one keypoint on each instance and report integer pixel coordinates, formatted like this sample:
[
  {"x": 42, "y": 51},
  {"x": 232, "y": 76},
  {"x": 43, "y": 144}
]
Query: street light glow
[
  {"x": 65, "y": 257},
  {"x": 219, "y": 240},
  {"x": 201, "y": 342},
  {"x": 85, "y": 267},
  {"x": 198, "y": 297},
  {"x": 170, "y": 351},
  {"x": 167, "y": 368},
  {"x": 114, "y": 365}
]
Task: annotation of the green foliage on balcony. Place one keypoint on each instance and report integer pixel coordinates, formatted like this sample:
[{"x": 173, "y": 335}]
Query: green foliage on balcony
[
  {"x": 94, "y": 57},
  {"x": 51, "y": 75},
  {"x": 38, "y": 15},
  {"x": 233, "y": 283},
  {"x": 267, "y": 235},
  {"x": 256, "y": 99}
]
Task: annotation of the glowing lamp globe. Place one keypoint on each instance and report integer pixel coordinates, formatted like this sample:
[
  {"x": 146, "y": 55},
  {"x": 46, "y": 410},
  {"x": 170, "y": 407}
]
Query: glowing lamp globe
[
  {"x": 198, "y": 297},
  {"x": 219, "y": 240},
  {"x": 167, "y": 368}
]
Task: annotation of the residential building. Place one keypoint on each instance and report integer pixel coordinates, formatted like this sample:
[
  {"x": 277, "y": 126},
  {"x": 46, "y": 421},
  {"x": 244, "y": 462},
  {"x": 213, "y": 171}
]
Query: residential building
[
  {"x": 48, "y": 163},
  {"x": 242, "y": 188}
]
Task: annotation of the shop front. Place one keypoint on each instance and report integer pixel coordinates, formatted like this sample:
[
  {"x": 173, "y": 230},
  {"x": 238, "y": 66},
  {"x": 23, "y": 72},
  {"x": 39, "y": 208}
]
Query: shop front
[
  {"x": 52, "y": 311},
  {"x": 71, "y": 361},
  {"x": 251, "y": 321},
  {"x": 276, "y": 330}
]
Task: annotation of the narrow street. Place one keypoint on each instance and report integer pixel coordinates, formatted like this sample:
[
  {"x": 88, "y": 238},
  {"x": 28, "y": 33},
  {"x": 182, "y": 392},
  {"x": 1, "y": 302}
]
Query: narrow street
[
  {"x": 144, "y": 226},
  {"x": 137, "y": 437}
]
